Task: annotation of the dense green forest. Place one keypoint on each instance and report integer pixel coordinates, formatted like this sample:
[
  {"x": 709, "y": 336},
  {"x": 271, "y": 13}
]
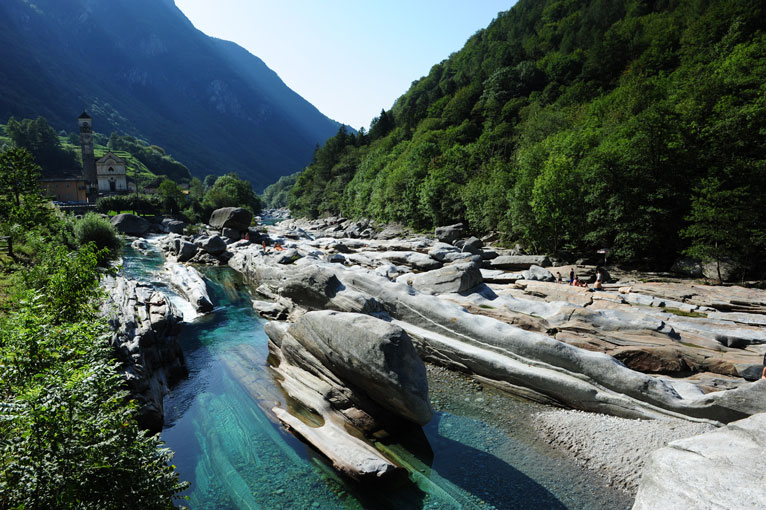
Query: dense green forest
[
  {"x": 571, "y": 126},
  {"x": 278, "y": 194},
  {"x": 68, "y": 433}
]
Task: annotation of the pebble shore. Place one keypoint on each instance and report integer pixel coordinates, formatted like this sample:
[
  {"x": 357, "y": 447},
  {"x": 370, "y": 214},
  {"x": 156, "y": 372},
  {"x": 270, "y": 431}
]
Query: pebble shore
[{"x": 616, "y": 448}]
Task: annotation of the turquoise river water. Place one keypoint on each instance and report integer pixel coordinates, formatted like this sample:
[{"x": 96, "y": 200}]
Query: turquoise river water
[{"x": 479, "y": 451}]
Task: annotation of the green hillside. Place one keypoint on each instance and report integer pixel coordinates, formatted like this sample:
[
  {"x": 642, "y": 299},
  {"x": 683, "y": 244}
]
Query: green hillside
[
  {"x": 571, "y": 126},
  {"x": 58, "y": 154}
]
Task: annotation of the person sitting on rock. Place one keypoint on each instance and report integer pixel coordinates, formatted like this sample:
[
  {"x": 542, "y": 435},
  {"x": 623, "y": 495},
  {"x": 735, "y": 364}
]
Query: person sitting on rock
[
  {"x": 578, "y": 283},
  {"x": 599, "y": 277}
]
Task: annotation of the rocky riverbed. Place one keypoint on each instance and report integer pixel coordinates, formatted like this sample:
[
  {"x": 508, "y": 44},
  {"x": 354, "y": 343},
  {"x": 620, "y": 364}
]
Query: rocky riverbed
[{"x": 675, "y": 357}]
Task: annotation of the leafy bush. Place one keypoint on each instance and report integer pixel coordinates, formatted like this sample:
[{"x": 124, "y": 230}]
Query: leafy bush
[
  {"x": 93, "y": 228},
  {"x": 68, "y": 438}
]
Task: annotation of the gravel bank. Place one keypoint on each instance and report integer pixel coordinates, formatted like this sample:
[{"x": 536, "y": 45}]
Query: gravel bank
[{"x": 614, "y": 447}]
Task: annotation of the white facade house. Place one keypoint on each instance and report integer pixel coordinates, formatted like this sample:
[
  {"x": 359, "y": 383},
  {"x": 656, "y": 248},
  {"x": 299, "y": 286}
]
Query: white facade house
[{"x": 112, "y": 174}]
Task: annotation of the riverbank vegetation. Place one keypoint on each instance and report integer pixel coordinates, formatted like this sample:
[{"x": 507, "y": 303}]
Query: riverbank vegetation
[
  {"x": 573, "y": 126},
  {"x": 68, "y": 436}
]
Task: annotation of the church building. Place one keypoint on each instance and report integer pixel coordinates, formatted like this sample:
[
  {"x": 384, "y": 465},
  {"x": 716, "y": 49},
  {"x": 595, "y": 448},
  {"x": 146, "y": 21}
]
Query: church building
[{"x": 111, "y": 174}]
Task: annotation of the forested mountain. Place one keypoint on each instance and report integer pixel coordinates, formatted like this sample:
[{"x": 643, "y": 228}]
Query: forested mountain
[
  {"x": 575, "y": 125},
  {"x": 139, "y": 67}
]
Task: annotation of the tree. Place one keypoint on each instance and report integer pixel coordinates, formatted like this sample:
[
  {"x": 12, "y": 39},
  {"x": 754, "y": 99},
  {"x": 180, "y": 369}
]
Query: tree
[
  {"x": 719, "y": 223},
  {"x": 231, "y": 191},
  {"x": 39, "y": 138},
  {"x": 172, "y": 196}
]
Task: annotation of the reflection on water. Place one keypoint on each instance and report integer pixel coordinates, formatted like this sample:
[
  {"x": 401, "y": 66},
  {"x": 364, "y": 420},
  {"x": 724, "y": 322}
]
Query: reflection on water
[{"x": 229, "y": 446}]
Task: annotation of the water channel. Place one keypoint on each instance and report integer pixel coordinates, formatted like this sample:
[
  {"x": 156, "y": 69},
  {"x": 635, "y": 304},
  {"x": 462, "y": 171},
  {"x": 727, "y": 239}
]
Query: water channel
[{"x": 480, "y": 450}]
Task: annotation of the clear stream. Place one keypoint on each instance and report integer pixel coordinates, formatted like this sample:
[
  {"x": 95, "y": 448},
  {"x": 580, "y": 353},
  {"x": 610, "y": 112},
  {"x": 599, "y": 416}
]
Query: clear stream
[{"x": 479, "y": 451}]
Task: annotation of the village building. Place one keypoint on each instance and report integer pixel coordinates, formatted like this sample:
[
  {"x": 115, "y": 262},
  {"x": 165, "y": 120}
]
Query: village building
[
  {"x": 66, "y": 188},
  {"x": 112, "y": 174}
]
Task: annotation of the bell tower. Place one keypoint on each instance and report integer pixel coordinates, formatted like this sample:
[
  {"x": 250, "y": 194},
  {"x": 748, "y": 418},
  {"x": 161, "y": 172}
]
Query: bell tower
[{"x": 88, "y": 156}]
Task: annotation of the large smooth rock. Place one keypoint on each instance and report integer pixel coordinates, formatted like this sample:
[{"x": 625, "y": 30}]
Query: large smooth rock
[
  {"x": 446, "y": 253},
  {"x": 185, "y": 250},
  {"x": 458, "y": 277},
  {"x": 214, "y": 245},
  {"x": 471, "y": 245},
  {"x": 235, "y": 218},
  {"x": 371, "y": 354},
  {"x": 729, "y": 271},
  {"x": 419, "y": 261},
  {"x": 170, "y": 225},
  {"x": 449, "y": 233},
  {"x": 720, "y": 469},
  {"x": 130, "y": 224},
  {"x": 519, "y": 262},
  {"x": 539, "y": 274},
  {"x": 191, "y": 285},
  {"x": 145, "y": 325}
]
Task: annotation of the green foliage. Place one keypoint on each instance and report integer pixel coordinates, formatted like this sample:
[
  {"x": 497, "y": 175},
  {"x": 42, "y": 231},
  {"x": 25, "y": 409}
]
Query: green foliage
[
  {"x": 93, "y": 228},
  {"x": 152, "y": 156},
  {"x": 278, "y": 194},
  {"x": 172, "y": 196},
  {"x": 68, "y": 435},
  {"x": 231, "y": 191},
  {"x": 136, "y": 202},
  {"x": 571, "y": 127},
  {"x": 42, "y": 141}
]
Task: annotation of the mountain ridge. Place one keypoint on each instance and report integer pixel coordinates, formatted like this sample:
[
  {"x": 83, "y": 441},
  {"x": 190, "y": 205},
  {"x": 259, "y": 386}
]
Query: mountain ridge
[{"x": 141, "y": 68}]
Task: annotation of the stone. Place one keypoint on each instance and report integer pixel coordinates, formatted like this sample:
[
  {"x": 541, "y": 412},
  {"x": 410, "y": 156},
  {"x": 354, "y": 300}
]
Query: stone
[
  {"x": 185, "y": 250},
  {"x": 449, "y": 233},
  {"x": 312, "y": 287},
  {"x": 538, "y": 273},
  {"x": 172, "y": 226},
  {"x": 213, "y": 245},
  {"x": 190, "y": 285},
  {"x": 729, "y": 271},
  {"x": 419, "y": 261},
  {"x": 231, "y": 234},
  {"x": 336, "y": 258},
  {"x": 687, "y": 266},
  {"x": 447, "y": 253},
  {"x": 274, "y": 310},
  {"x": 130, "y": 224},
  {"x": 287, "y": 256},
  {"x": 471, "y": 245},
  {"x": 140, "y": 245},
  {"x": 371, "y": 354},
  {"x": 231, "y": 217},
  {"x": 458, "y": 277},
  {"x": 719, "y": 469},
  {"x": 145, "y": 327},
  {"x": 518, "y": 262}
]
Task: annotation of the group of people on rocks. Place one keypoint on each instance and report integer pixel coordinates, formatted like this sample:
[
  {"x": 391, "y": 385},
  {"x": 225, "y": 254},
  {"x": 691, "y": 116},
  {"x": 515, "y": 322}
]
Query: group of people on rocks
[{"x": 574, "y": 281}]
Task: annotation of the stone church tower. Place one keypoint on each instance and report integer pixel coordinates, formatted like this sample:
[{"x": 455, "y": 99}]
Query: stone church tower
[{"x": 88, "y": 156}]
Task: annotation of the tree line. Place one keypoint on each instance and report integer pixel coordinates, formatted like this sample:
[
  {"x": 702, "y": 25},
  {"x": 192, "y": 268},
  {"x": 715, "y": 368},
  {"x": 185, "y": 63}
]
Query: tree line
[{"x": 574, "y": 126}]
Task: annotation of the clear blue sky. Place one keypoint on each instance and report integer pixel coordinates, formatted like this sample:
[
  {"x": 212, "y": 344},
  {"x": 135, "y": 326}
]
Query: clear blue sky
[{"x": 347, "y": 58}]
